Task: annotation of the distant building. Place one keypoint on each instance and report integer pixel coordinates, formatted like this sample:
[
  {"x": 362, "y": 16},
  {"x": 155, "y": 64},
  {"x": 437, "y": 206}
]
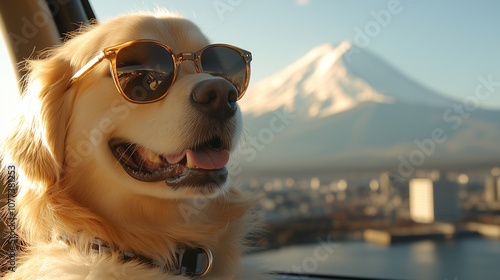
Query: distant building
[
  {"x": 391, "y": 185},
  {"x": 434, "y": 201},
  {"x": 386, "y": 184},
  {"x": 492, "y": 189}
]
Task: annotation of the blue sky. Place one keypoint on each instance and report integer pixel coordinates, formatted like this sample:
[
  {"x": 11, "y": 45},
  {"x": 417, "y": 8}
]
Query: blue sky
[{"x": 445, "y": 45}]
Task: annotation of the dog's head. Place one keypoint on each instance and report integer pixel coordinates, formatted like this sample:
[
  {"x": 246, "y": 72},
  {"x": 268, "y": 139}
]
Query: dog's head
[
  {"x": 174, "y": 147},
  {"x": 86, "y": 140}
]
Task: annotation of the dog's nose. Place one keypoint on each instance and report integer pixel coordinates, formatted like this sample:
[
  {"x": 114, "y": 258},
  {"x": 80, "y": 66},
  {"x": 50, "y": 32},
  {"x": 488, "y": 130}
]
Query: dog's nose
[{"x": 216, "y": 98}]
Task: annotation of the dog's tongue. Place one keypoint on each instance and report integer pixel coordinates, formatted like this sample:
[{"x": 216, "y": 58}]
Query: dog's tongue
[
  {"x": 203, "y": 158},
  {"x": 207, "y": 158}
]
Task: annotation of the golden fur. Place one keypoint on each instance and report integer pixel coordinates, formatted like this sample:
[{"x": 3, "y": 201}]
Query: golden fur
[{"x": 70, "y": 184}]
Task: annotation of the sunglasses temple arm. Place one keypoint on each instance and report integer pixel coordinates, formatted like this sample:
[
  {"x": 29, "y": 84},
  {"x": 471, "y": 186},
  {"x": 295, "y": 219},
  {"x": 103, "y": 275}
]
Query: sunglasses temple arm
[{"x": 86, "y": 69}]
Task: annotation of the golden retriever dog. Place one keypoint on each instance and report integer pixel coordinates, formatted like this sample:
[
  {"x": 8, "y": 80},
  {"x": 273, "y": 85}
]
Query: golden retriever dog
[{"x": 121, "y": 154}]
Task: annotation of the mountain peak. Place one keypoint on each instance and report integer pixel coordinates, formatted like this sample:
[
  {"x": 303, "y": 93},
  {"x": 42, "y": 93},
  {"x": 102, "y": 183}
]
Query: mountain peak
[
  {"x": 326, "y": 53},
  {"x": 329, "y": 48}
]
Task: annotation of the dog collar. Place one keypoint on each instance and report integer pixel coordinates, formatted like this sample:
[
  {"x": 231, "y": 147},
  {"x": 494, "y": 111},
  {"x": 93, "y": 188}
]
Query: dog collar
[{"x": 191, "y": 262}]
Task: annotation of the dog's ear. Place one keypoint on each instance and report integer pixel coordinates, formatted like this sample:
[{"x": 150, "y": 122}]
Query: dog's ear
[{"x": 35, "y": 143}]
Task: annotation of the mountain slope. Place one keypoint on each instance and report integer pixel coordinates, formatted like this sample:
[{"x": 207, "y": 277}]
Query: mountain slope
[{"x": 375, "y": 136}]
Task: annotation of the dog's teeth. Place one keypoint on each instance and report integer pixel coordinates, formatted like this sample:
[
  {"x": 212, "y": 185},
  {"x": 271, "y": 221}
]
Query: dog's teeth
[
  {"x": 150, "y": 155},
  {"x": 154, "y": 157},
  {"x": 189, "y": 161}
]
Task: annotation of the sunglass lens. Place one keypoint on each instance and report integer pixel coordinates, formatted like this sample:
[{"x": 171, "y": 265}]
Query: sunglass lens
[
  {"x": 145, "y": 71},
  {"x": 227, "y": 63}
]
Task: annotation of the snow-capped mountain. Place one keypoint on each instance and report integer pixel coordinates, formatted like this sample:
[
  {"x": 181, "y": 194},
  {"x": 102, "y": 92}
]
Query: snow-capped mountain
[
  {"x": 341, "y": 107},
  {"x": 329, "y": 80}
]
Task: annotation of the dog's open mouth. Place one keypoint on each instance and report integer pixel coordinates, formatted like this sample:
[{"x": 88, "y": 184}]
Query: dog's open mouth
[{"x": 201, "y": 166}]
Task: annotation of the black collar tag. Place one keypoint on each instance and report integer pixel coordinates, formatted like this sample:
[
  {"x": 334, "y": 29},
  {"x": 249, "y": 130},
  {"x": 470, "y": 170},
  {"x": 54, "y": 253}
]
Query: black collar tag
[{"x": 193, "y": 262}]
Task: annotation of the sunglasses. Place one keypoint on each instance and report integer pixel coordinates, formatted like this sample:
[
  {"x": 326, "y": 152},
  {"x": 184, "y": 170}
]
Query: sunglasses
[{"x": 145, "y": 70}]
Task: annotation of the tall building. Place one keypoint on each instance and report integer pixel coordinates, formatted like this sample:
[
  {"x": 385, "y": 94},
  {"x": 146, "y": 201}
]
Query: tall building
[
  {"x": 492, "y": 189},
  {"x": 434, "y": 201}
]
